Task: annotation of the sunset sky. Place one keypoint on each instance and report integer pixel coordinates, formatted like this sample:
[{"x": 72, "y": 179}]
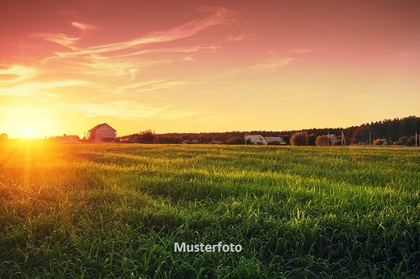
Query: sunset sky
[{"x": 201, "y": 66}]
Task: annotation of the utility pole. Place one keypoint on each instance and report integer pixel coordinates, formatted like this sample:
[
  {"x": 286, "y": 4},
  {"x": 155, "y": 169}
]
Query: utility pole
[
  {"x": 343, "y": 139},
  {"x": 328, "y": 138}
]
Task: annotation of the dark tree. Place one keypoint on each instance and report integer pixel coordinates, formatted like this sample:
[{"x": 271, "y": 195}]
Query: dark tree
[
  {"x": 312, "y": 139},
  {"x": 147, "y": 136},
  {"x": 361, "y": 135},
  {"x": 235, "y": 140}
]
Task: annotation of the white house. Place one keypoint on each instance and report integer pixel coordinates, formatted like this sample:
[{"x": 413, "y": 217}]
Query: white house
[
  {"x": 275, "y": 140},
  {"x": 102, "y": 133},
  {"x": 260, "y": 140}
]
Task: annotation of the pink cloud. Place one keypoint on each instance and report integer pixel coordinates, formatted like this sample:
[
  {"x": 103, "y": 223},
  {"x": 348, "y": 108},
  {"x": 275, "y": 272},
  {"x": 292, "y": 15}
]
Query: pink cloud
[
  {"x": 83, "y": 26},
  {"x": 187, "y": 50},
  {"x": 241, "y": 37},
  {"x": 272, "y": 64},
  {"x": 59, "y": 38},
  {"x": 219, "y": 16}
]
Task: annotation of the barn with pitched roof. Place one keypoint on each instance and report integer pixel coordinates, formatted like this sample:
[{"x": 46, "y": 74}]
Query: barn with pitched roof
[{"x": 102, "y": 133}]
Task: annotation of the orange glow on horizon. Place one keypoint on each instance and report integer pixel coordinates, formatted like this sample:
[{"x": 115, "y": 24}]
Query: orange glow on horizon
[{"x": 28, "y": 122}]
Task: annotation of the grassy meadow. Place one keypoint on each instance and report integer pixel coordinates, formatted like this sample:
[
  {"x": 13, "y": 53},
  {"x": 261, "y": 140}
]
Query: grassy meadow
[{"x": 115, "y": 211}]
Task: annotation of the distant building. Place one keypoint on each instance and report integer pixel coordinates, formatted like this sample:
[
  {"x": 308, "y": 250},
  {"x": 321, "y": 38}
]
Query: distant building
[
  {"x": 260, "y": 140},
  {"x": 275, "y": 141},
  {"x": 102, "y": 133}
]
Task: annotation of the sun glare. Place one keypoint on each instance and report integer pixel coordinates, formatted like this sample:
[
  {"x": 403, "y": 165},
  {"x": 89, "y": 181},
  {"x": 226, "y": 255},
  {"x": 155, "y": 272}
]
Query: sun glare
[
  {"x": 28, "y": 132},
  {"x": 28, "y": 122}
]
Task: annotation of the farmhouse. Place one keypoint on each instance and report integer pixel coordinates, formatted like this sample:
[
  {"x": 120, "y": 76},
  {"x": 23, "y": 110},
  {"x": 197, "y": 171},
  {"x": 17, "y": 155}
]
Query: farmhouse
[
  {"x": 260, "y": 140},
  {"x": 102, "y": 133}
]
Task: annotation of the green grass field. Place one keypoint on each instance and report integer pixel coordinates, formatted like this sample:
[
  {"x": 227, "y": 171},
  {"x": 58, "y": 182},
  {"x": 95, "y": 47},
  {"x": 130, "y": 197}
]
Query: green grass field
[{"x": 115, "y": 211}]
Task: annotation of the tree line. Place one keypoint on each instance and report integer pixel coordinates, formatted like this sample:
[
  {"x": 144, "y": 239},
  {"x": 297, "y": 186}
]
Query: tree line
[{"x": 397, "y": 131}]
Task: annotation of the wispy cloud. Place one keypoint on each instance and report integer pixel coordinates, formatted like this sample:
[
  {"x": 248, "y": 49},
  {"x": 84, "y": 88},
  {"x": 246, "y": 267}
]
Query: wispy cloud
[
  {"x": 263, "y": 67},
  {"x": 151, "y": 85},
  {"x": 121, "y": 70},
  {"x": 131, "y": 110},
  {"x": 219, "y": 16},
  {"x": 187, "y": 50},
  {"x": 246, "y": 36},
  {"x": 38, "y": 89},
  {"x": 115, "y": 69},
  {"x": 18, "y": 80},
  {"x": 272, "y": 63},
  {"x": 116, "y": 59},
  {"x": 59, "y": 38},
  {"x": 16, "y": 73},
  {"x": 101, "y": 64},
  {"x": 118, "y": 109},
  {"x": 83, "y": 26}
]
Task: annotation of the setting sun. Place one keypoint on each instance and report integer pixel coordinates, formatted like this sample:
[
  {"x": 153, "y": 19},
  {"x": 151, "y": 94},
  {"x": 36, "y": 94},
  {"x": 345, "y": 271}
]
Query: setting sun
[
  {"x": 28, "y": 132},
  {"x": 28, "y": 122}
]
